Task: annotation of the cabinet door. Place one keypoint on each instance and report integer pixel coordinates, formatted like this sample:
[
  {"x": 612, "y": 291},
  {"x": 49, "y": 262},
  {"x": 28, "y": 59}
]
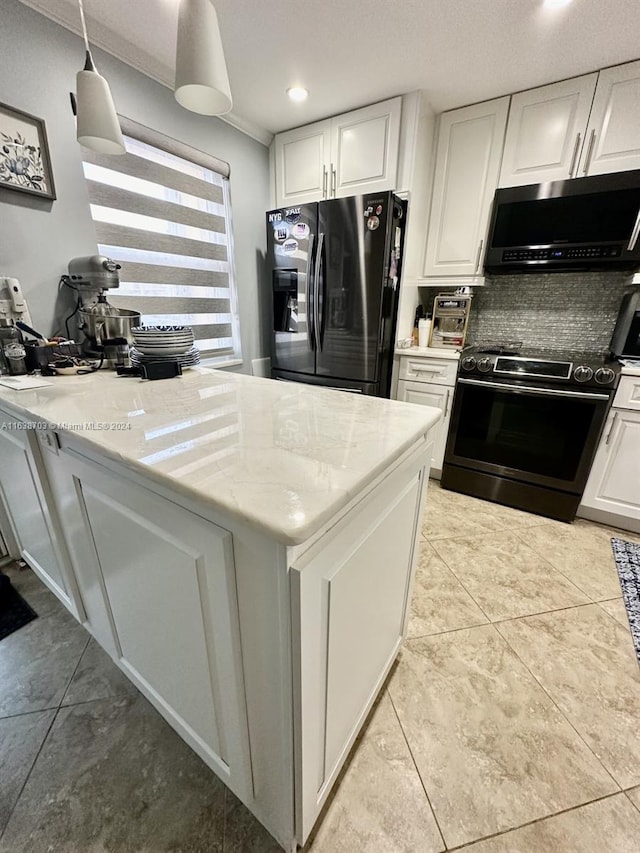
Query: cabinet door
[
  {"x": 26, "y": 507},
  {"x": 364, "y": 149},
  {"x": 438, "y": 396},
  {"x": 302, "y": 164},
  {"x": 614, "y": 481},
  {"x": 168, "y": 581},
  {"x": 612, "y": 143},
  {"x": 466, "y": 175},
  {"x": 545, "y": 132}
]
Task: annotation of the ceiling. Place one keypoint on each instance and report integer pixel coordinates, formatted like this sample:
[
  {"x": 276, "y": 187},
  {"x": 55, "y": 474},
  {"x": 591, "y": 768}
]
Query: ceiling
[{"x": 349, "y": 53}]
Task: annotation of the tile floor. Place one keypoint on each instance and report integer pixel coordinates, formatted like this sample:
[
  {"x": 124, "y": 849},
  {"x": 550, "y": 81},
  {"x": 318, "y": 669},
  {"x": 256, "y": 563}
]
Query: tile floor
[{"x": 511, "y": 723}]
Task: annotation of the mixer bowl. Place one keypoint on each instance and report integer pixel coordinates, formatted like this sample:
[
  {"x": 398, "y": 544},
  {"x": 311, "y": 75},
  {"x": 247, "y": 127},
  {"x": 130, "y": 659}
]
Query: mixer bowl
[{"x": 100, "y": 328}]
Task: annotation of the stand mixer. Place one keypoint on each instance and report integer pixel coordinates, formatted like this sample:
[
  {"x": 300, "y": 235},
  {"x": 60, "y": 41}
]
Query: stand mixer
[{"x": 106, "y": 329}]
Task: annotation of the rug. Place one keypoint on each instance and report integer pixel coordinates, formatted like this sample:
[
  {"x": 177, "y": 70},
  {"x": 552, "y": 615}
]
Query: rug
[
  {"x": 14, "y": 610},
  {"x": 627, "y": 557}
]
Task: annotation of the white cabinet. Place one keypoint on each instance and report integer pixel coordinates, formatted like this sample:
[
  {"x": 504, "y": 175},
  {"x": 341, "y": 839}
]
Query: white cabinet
[
  {"x": 612, "y": 493},
  {"x": 24, "y": 494},
  {"x": 430, "y": 381},
  {"x": 303, "y": 158},
  {"x": 348, "y": 155},
  {"x": 612, "y": 143},
  {"x": 546, "y": 131},
  {"x": 349, "y": 612},
  {"x": 466, "y": 175}
]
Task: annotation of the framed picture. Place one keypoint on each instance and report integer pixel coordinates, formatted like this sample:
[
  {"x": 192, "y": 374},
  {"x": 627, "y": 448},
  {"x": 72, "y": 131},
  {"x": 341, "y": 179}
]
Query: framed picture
[{"x": 24, "y": 154}]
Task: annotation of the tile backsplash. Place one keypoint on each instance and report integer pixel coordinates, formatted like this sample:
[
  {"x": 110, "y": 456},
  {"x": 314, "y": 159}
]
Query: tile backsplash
[{"x": 553, "y": 310}]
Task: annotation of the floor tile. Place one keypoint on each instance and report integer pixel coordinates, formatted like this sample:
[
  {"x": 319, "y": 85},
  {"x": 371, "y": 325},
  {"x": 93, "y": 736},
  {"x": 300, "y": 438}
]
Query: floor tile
[
  {"x": 450, "y": 513},
  {"x": 113, "y": 776},
  {"x": 634, "y": 796},
  {"x": 440, "y": 602},
  {"x": 582, "y": 551},
  {"x": 31, "y": 588},
  {"x": 616, "y": 608},
  {"x": 243, "y": 833},
  {"x": 505, "y": 577},
  {"x": 37, "y": 662},
  {"x": 20, "y": 739},
  {"x": 97, "y": 677},
  {"x": 380, "y": 803},
  {"x": 492, "y": 749},
  {"x": 586, "y": 662},
  {"x": 607, "y": 826}
]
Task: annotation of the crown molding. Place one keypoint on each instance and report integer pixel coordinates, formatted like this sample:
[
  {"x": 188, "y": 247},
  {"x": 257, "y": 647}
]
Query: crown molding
[{"x": 142, "y": 63}]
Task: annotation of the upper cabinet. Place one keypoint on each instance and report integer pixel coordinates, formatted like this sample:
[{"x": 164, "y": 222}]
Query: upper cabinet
[
  {"x": 612, "y": 142},
  {"x": 347, "y": 155},
  {"x": 546, "y": 132},
  {"x": 585, "y": 126},
  {"x": 468, "y": 156}
]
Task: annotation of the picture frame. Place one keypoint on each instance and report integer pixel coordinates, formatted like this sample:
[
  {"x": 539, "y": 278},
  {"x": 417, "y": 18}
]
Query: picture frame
[{"x": 25, "y": 163}]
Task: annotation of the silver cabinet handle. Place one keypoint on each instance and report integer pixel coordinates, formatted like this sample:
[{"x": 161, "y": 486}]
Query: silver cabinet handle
[
  {"x": 634, "y": 234},
  {"x": 610, "y": 433},
  {"x": 576, "y": 148},
  {"x": 587, "y": 162},
  {"x": 477, "y": 267},
  {"x": 333, "y": 181},
  {"x": 324, "y": 182}
]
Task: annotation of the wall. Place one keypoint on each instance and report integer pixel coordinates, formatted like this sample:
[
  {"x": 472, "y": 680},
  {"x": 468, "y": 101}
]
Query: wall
[
  {"x": 38, "y": 238},
  {"x": 559, "y": 311}
]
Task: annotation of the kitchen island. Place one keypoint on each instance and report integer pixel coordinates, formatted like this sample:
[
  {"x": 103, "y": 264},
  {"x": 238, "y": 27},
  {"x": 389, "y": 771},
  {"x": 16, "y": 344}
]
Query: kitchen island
[{"x": 244, "y": 549}]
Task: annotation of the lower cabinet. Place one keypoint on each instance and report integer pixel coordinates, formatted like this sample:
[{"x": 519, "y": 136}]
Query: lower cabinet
[
  {"x": 349, "y": 607},
  {"x": 439, "y": 396},
  {"x": 614, "y": 482},
  {"x": 23, "y": 491},
  {"x": 166, "y": 578}
]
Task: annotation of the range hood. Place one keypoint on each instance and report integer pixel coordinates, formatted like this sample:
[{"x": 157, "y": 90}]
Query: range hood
[{"x": 580, "y": 224}]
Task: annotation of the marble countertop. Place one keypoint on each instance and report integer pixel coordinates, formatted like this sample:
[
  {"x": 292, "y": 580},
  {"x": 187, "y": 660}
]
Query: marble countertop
[
  {"x": 283, "y": 457},
  {"x": 628, "y": 370},
  {"x": 429, "y": 352}
]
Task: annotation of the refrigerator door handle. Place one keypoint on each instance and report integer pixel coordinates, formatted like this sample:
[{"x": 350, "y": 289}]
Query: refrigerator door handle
[
  {"x": 307, "y": 296},
  {"x": 316, "y": 292}
]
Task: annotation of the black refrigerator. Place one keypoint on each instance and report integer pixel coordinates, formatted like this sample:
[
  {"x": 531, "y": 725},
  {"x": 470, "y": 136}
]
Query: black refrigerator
[{"x": 335, "y": 270}]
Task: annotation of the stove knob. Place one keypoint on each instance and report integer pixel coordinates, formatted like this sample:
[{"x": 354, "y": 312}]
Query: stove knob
[
  {"x": 583, "y": 373},
  {"x": 605, "y": 376},
  {"x": 484, "y": 365},
  {"x": 468, "y": 362}
]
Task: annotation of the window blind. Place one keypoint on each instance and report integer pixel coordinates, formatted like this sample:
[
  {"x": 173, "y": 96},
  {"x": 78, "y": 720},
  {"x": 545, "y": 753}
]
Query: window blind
[{"x": 162, "y": 210}]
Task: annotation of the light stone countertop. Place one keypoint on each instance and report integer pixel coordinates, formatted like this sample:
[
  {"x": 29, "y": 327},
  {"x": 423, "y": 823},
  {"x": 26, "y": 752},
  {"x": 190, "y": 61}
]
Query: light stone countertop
[
  {"x": 429, "y": 352},
  {"x": 630, "y": 371},
  {"x": 282, "y": 457}
]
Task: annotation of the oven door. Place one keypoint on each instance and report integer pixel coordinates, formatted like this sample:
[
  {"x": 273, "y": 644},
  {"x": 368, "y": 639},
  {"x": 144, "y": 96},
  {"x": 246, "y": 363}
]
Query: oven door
[{"x": 543, "y": 436}]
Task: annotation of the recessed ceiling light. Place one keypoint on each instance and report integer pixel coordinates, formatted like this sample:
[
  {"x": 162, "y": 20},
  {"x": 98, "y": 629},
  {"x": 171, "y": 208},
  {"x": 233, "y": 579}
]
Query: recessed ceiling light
[
  {"x": 297, "y": 93},
  {"x": 556, "y": 4}
]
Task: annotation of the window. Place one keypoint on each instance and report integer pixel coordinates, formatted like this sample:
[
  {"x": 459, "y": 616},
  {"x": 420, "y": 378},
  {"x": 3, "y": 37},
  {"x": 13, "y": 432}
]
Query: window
[{"x": 162, "y": 211}]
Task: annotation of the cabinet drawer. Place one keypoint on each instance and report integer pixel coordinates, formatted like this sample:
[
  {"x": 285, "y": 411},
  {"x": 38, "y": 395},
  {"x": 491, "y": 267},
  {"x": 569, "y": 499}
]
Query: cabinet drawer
[
  {"x": 435, "y": 370},
  {"x": 628, "y": 393}
]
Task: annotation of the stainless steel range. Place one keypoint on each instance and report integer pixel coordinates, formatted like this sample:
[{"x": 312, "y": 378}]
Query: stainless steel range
[{"x": 525, "y": 425}]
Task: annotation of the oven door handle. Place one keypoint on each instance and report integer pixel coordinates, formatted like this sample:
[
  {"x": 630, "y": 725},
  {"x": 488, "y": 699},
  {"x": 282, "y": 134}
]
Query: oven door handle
[{"x": 541, "y": 392}]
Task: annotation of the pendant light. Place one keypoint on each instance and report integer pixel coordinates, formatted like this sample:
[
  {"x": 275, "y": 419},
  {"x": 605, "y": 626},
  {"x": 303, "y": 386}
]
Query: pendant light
[
  {"x": 98, "y": 127},
  {"x": 202, "y": 83}
]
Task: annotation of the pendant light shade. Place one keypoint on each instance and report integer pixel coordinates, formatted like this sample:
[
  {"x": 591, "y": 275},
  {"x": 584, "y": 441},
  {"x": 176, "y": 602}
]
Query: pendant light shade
[
  {"x": 202, "y": 83},
  {"x": 98, "y": 127}
]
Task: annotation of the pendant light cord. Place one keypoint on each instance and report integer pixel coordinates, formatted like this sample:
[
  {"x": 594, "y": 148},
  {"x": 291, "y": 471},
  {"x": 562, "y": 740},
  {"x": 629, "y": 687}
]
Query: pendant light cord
[{"x": 84, "y": 24}]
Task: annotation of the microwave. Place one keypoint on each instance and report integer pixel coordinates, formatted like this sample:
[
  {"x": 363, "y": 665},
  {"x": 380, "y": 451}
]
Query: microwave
[
  {"x": 626, "y": 334},
  {"x": 580, "y": 224}
]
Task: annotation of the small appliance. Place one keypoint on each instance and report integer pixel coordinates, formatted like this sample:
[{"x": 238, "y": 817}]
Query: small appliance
[
  {"x": 13, "y": 306},
  {"x": 626, "y": 334},
  {"x": 450, "y": 320},
  {"x": 579, "y": 224},
  {"x": 101, "y": 323}
]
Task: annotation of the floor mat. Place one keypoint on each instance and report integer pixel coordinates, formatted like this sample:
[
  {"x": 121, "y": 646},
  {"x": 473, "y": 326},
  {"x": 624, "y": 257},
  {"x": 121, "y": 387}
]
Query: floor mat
[{"x": 627, "y": 557}]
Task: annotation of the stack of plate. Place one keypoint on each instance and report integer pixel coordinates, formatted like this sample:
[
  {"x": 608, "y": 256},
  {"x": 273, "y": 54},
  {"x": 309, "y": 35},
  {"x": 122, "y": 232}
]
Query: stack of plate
[{"x": 164, "y": 343}]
